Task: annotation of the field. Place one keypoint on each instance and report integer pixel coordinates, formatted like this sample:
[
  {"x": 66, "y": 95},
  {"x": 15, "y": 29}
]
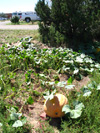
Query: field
[{"x": 29, "y": 70}]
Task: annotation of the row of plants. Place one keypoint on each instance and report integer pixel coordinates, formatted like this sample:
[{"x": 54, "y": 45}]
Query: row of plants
[{"x": 24, "y": 66}]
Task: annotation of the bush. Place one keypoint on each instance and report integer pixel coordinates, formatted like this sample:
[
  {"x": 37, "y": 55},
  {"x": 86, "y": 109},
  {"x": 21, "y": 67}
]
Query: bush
[
  {"x": 43, "y": 30},
  {"x": 55, "y": 37},
  {"x": 15, "y": 19}
]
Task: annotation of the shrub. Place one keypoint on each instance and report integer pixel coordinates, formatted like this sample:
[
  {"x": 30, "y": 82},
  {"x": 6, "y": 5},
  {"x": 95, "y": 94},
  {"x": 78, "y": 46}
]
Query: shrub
[
  {"x": 43, "y": 30},
  {"x": 15, "y": 19}
]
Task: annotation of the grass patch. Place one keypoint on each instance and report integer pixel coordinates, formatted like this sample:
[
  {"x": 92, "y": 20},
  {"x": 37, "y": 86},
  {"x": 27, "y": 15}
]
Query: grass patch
[
  {"x": 24, "y": 23},
  {"x": 90, "y": 118},
  {"x": 13, "y": 36}
]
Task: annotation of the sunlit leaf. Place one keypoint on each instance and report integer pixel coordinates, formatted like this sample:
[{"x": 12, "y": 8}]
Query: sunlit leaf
[
  {"x": 17, "y": 123},
  {"x": 82, "y": 55},
  {"x": 51, "y": 83},
  {"x": 0, "y": 124},
  {"x": 66, "y": 109},
  {"x": 24, "y": 120},
  {"x": 61, "y": 84},
  {"x": 76, "y": 71},
  {"x": 12, "y": 110},
  {"x": 98, "y": 87},
  {"x": 69, "y": 61},
  {"x": 79, "y": 106},
  {"x": 69, "y": 86},
  {"x": 87, "y": 93},
  {"x": 47, "y": 95},
  {"x": 75, "y": 113},
  {"x": 15, "y": 116},
  {"x": 79, "y": 60},
  {"x": 97, "y": 65}
]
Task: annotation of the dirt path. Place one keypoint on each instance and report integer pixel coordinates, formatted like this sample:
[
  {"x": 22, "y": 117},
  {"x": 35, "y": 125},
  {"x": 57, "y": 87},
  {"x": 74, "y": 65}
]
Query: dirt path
[{"x": 3, "y": 26}]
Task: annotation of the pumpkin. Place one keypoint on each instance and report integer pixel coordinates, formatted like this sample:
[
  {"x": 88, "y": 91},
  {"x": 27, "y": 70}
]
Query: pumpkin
[{"x": 53, "y": 107}]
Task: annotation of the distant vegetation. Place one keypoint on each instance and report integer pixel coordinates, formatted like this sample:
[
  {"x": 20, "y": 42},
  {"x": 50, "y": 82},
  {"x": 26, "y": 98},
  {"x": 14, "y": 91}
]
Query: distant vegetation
[{"x": 2, "y": 15}]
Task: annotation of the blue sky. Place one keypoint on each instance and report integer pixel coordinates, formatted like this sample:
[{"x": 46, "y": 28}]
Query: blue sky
[{"x": 9, "y": 6}]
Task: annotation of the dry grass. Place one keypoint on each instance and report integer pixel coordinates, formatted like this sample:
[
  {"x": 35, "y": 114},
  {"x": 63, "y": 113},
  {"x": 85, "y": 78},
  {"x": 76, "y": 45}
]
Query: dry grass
[{"x": 13, "y": 36}]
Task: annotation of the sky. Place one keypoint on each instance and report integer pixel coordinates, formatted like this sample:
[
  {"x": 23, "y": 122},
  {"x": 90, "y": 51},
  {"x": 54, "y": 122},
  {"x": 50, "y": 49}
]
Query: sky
[{"x": 9, "y": 6}]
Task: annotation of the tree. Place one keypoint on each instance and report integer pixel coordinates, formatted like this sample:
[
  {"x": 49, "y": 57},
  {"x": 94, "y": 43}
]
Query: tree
[
  {"x": 43, "y": 11},
  {"x": 68, "y": 20}
]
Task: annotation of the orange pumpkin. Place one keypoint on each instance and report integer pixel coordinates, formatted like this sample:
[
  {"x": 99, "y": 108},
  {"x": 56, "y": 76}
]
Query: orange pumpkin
[{"x": 53, "y": 107}]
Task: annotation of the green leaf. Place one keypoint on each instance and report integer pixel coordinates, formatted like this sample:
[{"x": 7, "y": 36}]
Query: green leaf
[
  {"x": 89, "y": 70},
  {"x": 98, "y": 87},
  {"x": 82, "y": 56},
  {"x": 15, "y": 116},
  {"x": 68, "y": 61},
  {"x": 0, "y": 124},
  {"x": 87, "y": 60},
  {"x": 12, "y": 110},
  {"x": 75, "y": 113},
  {"x": 91, "y": 86},
  {"x": 69, "y": 86},
  {"x": 80, "y": 76},
  {"x": 87, "y": 93},
  {"x": 48, "y": 95},
  {"x": 76, "y": 71},
  {"x": 79, "y": 106},
  {"x": 42, "y": 75},
  {"x": 30, "y": 100},
  {"x": 17, "y": 123},
  {"x": 24, "y": 120},
  {"x": 66, "y": 109},
  {"x": 51, "y": 83},
  {"x": 61, "y": 84},
  {"x": 79, "y": 59},
  {"x": 70, "y": 80},
  {"x": 64, "y": 68},
  {"x": 97, "y": 65}
]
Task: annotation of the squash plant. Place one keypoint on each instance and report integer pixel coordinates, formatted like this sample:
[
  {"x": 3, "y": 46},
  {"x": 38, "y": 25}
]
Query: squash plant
[{"x": 16, "y": 119}]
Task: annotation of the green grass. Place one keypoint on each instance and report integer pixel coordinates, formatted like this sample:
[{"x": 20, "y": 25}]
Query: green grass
[
  {"x": 24, "y": 23},
  {"x": 13, "y": 36},
  {"x": 90, "y": 118}
]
